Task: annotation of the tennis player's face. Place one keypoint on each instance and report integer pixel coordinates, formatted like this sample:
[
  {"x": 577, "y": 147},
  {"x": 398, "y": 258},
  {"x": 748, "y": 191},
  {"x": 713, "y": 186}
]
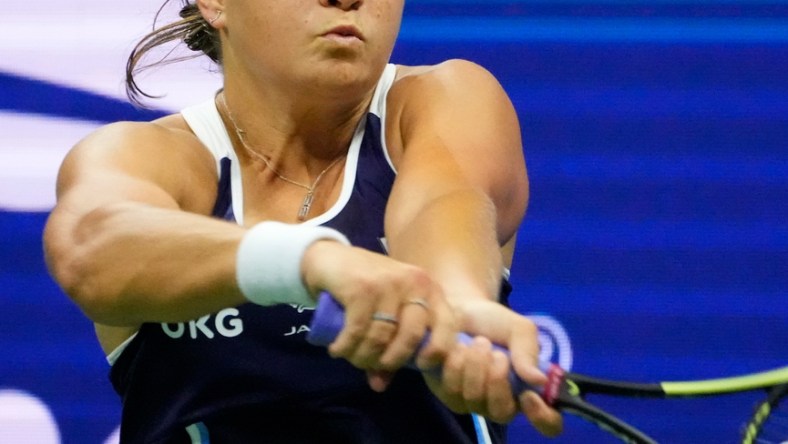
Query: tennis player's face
[{"x": 323, "y": 41}]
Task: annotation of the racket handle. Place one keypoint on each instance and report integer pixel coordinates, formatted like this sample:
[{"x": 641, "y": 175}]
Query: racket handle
[{"x": 329, "y": 318}]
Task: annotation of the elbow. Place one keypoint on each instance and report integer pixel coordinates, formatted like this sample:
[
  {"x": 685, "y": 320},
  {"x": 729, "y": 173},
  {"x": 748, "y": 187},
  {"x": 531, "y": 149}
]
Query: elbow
[
  {"x": 511, "y": 205},
  {"x": 74, "y": 267},
  {"x": 74, "y": 276}
]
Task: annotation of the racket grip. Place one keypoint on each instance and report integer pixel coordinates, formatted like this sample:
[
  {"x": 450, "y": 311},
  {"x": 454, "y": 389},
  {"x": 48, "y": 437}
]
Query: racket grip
[{"x": 329, "y": 318}]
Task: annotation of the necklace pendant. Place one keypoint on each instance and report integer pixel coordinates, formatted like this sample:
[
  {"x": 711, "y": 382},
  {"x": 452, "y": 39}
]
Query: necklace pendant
[{"x": 305, "y": 205}]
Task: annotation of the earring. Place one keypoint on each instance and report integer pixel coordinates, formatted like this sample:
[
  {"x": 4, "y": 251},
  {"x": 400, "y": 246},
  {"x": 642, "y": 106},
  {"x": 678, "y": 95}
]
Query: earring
[{"x": 218, "y": 14}]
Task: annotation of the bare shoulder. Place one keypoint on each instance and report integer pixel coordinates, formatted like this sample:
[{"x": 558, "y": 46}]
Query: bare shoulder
[
  {"x": 420, "y": 91},
  {"x": 450, "y": 95},
  {"x": 166, "y": 136},
  {"x": 163, "y": 153},
  {"x": 446, "y": 82},
  {"x": 447, "y": 70}
]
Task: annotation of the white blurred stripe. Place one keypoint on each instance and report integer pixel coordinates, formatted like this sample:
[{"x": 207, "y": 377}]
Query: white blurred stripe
[
  {"x": 26, "y": 419},
  {"x": 85, "y": 45},
  {"x": 82, "y": 45},
  {"x": 31, "y": 151}
]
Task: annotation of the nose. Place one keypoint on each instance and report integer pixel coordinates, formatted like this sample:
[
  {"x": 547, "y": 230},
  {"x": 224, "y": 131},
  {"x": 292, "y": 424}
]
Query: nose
[{"x": 345, "y": 5}]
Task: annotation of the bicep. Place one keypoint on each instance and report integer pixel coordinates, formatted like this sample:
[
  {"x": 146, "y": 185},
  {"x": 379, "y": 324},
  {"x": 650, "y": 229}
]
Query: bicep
[
  {"x": 121, "y": 165},
  {"x": 134, "y": 164},
  {"x": 459, "y": 131}
]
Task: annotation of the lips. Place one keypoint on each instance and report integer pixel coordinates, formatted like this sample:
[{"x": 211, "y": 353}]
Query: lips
[{"x": 347, "y": 31}]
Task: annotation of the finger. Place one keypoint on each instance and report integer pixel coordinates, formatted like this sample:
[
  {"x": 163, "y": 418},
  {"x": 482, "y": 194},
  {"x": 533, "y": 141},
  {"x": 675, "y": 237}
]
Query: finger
[
  {"x": 379, "y": 380},
  {"x": 383, "y": 325},
  {"x": 414, "y": 316},
  {"x": 453, "y": 370},
  {"x": 524, "y": 351},
  {"x": 544, "y": 419},
  {"x": 443, "y": 332},
  {"x": 357, "y": 320},
  {"x": 474, "y": 382},
  {"x": 501, "y": 406}
]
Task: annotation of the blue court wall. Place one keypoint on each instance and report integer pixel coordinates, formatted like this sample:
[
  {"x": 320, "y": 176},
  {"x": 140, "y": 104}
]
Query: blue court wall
[{"x": 656, "y": 241}]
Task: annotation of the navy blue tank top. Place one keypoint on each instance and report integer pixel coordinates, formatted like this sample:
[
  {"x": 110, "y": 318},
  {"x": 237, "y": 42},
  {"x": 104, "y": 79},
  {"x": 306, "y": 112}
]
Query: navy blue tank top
[{"x": 246, "y": 374}]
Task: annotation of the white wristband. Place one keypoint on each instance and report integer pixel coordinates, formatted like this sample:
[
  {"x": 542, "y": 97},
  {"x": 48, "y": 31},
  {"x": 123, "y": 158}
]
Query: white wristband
[{"x": 268, "y": 267}]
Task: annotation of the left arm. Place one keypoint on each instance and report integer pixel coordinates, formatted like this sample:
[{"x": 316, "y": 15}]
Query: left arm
[
  {"x": 460, "y": 194},
  {"x": 461, "y": 188}
]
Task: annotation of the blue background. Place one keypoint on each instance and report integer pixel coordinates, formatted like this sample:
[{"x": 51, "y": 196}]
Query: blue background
[{"x": 656, "y": 136}]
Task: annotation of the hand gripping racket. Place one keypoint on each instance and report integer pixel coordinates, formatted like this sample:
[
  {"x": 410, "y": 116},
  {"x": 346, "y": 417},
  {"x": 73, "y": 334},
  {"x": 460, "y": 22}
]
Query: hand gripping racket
[{"x": 566, "y": 391}]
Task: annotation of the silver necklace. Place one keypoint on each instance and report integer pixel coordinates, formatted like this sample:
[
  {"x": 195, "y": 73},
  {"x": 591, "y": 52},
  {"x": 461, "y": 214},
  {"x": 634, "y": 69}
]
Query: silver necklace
[{"x": 306, "y": 204}]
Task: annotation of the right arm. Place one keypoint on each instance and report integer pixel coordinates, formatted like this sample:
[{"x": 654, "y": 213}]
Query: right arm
[{"x": 128, "y": 239}]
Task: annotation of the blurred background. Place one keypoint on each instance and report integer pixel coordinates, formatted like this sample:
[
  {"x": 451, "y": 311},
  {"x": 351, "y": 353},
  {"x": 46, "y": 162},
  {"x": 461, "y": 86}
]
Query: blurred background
[{"x": 656, "y": 241}]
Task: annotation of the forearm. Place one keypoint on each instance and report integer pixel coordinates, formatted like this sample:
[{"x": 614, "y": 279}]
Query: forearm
[
  {"x": 129, "y": 263},
  {"x": 453, "y": 237}
]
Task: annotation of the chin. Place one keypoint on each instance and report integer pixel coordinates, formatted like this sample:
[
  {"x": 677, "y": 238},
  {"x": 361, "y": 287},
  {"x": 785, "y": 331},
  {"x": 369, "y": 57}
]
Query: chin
[{"x": 345, "y": 74}]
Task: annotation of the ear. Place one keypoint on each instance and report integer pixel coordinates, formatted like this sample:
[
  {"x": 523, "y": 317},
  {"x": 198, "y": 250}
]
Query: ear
[{"x": 212, "y": 11}]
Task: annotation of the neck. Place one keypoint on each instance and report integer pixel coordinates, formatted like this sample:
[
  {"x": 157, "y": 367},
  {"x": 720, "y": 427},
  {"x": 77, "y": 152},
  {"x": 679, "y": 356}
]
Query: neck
[
  {"x": 242, "y": 138},
  {"x": 295, "y": 130}
]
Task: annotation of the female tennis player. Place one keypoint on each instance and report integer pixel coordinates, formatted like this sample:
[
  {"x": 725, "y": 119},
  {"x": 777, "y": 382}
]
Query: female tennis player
[{"x": 197, "y": 243}]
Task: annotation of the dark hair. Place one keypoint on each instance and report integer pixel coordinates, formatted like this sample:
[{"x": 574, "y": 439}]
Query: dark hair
[{"x": 191, "y": 29}]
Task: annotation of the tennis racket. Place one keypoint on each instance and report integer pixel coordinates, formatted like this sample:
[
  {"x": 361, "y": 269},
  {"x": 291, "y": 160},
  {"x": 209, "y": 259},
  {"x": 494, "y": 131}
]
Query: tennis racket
[{"x": 566, "y": 391}]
